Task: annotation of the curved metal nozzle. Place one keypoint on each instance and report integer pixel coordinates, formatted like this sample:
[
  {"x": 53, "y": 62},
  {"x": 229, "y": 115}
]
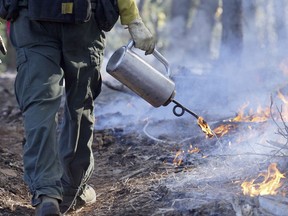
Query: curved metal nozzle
[
  {"x": 200, "y": 121},
  {"x": 182, "y": 110}
]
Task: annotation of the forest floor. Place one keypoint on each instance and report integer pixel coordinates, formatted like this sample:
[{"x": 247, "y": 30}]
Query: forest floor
[{"x": 137, "y": 173}]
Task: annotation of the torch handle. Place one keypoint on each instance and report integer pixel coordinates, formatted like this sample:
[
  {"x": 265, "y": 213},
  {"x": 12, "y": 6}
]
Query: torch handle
[
  {"x": 157, "y": 55},
  {"x": 183, "y": 110}
]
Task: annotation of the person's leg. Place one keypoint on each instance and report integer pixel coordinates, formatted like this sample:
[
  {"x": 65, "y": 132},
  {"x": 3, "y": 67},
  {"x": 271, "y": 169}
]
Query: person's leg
[
  {"x": 82, "y": 56},
  {"x": 38, "y": 91}
]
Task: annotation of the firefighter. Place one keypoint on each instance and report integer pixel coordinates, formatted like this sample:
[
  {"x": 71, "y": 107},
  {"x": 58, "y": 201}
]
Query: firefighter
[{"x": 59, "y": 47}]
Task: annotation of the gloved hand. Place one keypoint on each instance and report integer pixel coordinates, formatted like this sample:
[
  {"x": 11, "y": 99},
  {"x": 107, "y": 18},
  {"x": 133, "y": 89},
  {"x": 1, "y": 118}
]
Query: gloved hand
[
  {"x": 141, "y": 36},
  {"x": 9, "y": 9}
]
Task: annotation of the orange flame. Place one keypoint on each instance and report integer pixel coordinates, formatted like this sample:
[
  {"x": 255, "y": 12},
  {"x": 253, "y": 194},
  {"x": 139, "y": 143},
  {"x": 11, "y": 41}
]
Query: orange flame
[
  {"x": 180, "y": 154},
  {"x": 282, "y": 97},
  {"x": 205, "y": 127},
  {"x": 268, "y": 186},
  {"x": 261, "y": 115},
  {"x": 284, "y": 108},
  {"x": 193, "y": 150},
  {"x": 284, "y": 66},
  {"x": 223, "y": 129},
  {"x": 177, "y": 161}
]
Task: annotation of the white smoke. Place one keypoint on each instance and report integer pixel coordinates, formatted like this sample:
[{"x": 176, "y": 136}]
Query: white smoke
[{"x": 214, "y": 90}]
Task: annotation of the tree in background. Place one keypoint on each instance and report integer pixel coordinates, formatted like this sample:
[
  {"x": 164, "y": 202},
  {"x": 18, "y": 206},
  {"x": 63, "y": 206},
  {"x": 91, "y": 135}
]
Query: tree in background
[
  {"x": 232, "y": 33},
  {"x": 203, "y": 30}
]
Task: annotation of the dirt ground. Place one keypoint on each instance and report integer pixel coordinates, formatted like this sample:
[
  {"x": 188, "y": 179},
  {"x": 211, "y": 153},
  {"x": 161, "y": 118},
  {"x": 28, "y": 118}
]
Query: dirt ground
[
  {"x": 135, "y": 173},
  {"x": 128, "y": 166}
]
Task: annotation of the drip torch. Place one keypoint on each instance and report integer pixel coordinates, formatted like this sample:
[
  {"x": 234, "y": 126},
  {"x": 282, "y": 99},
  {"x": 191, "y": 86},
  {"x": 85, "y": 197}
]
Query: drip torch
[{"x": 147, "y": 82}]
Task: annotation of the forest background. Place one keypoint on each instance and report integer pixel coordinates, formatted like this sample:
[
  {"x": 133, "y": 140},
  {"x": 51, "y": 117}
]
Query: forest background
[
  {"x": 223, "y": 54},
  {"x": 204, "y": 30},
  {"x": 239, "y": 45}
]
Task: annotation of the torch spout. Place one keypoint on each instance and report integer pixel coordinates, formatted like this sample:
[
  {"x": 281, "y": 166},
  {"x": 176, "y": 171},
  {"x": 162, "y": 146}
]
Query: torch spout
[
  {"x": 200, "y": 121},
  {"x": 182, "y": 109}
]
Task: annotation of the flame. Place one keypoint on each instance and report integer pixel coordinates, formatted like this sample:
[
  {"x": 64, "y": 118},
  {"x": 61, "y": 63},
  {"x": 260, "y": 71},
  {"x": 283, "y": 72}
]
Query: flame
[
  {"x": 177, "y": 161},
  {"x": 284, "y": 66},
  {"x": 180, "y": 154},
  {"x": 223, "y": 129},
  {"x": 193, "y": 150},
  {"x": 261, "y": 115},
  {"x": 282, "y": 97},
  {"x": 268, "y": 186},
  {"x": 205, "y": 127},
  {"x": 284, "y": 108}
]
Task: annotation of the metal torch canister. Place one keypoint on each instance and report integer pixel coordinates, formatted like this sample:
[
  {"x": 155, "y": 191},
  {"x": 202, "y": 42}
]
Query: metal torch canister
[{"x": 134, "y": 72}]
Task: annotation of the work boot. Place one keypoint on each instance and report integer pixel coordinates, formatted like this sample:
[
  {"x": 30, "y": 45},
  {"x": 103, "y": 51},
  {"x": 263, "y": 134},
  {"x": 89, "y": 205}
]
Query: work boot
[
  {"x": 86, "y": 198},
  {"x": 48, "y": 207}
]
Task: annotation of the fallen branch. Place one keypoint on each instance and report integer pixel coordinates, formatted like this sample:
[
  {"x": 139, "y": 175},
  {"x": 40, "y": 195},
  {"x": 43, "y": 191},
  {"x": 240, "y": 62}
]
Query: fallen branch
[{"x": 131, "y": 175}]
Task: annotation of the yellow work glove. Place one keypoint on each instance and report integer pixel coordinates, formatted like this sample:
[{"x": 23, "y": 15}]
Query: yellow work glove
[{"x": 142, "y": 37}]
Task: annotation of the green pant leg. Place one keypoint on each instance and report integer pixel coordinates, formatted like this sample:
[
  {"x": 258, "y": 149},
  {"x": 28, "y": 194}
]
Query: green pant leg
[
  {"x": 38, "y": 90},
  {"x": 82, "y": 54}
]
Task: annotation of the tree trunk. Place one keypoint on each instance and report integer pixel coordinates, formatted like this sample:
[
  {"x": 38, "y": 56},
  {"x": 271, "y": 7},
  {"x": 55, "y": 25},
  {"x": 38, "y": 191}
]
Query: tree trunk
[
  {"x": 141, "y": 5},
  {"x": 281, "y": 25},
  {"x": 201, "y": 30},
  {"x": 232, "y": 34},
  {"x": 182, "y": 9},
  {"x": 179, "y": 15}
]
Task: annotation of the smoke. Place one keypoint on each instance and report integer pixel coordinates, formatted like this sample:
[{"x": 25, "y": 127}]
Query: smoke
[{"x": 213, "y": 88}]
